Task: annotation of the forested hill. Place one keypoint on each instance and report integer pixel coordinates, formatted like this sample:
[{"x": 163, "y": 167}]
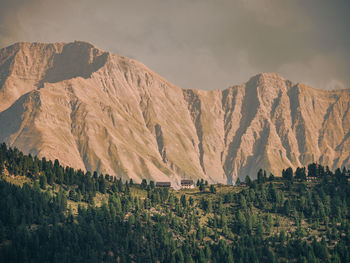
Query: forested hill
[{"x": 50, "y": 213}]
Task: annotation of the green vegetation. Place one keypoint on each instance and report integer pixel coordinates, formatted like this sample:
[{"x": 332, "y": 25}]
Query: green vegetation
[{"x": 50, "y": 213}]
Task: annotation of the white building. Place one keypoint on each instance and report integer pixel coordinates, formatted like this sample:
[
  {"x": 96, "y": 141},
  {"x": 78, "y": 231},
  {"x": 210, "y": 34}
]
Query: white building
[{"x": 187, "y": 184}]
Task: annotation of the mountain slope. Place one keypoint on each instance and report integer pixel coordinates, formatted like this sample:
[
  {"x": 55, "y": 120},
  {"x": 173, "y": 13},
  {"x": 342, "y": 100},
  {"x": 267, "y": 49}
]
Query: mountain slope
[{"x": 98, "y": 111}]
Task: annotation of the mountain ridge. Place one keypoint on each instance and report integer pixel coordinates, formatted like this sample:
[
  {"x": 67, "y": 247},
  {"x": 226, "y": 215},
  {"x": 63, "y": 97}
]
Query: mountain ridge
[{"x": 99, "y": 111}]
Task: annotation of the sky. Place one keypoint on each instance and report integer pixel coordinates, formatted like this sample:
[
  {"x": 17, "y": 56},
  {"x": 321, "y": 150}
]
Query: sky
[{"x": 201, "y": 44}]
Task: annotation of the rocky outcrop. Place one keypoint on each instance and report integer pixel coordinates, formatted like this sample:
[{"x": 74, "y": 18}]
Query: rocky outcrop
[
  {"x": 194, "y": 107},
  {"x": 98, "y": 111}
]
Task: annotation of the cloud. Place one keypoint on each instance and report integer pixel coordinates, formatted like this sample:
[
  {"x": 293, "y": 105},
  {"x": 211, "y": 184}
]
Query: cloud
[
  {"x": 199, "y": 44},
  {"x": 8, "y": 21},
  {"x": 322, "y": 71}
]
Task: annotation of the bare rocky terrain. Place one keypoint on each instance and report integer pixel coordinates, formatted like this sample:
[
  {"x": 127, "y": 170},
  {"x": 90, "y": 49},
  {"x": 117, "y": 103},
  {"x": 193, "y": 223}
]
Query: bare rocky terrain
[{"x": 95, "y": 110}]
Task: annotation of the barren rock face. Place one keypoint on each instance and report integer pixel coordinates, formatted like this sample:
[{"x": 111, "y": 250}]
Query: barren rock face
[{"x": 94, "y": 110}]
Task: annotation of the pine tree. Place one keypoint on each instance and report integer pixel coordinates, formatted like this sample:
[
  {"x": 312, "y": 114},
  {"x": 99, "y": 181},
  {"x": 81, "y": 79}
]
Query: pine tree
[
  {"x": 43, "y": 182},
  {"x": 238, "y": 181}
]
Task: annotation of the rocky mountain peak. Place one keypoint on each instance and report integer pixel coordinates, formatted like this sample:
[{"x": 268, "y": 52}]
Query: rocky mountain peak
[
  {"x": 98, "y": 111},
  {"x": 28, "y": 66}
]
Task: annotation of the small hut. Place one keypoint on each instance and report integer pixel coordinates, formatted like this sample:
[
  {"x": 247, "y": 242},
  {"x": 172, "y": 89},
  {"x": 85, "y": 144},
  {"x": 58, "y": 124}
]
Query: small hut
[
  {"x": 163, "y": 184},
  {"x": 187, "y": 184}
]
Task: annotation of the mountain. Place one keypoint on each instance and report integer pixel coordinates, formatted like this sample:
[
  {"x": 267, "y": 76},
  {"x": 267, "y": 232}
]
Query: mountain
[{"x": 95, "y": 110}]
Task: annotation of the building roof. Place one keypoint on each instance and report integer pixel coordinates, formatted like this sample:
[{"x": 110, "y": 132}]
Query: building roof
[
  {"x": 164, "y": 184},
  {"x": 186, "y": 182}
]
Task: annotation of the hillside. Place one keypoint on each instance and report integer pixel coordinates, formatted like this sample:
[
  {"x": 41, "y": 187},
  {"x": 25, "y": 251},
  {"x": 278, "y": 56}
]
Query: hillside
[
  {"x": 52, "y": 213},
  {"x": 99, "y": 111}
]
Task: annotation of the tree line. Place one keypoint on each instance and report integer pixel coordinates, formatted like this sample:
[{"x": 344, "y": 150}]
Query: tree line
[{"x": 271, "y": 219}]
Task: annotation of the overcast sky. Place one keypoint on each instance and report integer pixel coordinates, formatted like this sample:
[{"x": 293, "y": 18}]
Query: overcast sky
[{"x": 199, "y": 44}]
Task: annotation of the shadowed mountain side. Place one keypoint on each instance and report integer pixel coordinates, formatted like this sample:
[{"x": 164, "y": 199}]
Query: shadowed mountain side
[
  {"x": 78, "y": 59},
  {"x": 16, "y": 123},
  {"x": 99, "y": 111}
]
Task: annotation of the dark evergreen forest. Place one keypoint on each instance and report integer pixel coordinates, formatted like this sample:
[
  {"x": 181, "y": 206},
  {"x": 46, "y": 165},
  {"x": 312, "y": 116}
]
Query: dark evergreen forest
[{"x": 51, "y": 213}]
